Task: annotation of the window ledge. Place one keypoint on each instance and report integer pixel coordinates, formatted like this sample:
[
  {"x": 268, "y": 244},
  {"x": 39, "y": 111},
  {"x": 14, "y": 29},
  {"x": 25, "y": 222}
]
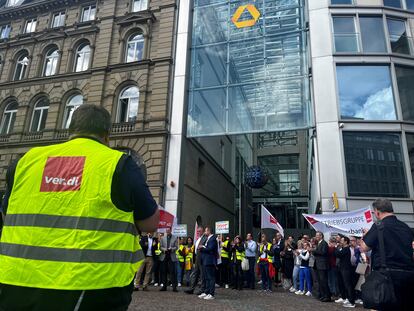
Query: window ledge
[{"x": 85, "y": 23}]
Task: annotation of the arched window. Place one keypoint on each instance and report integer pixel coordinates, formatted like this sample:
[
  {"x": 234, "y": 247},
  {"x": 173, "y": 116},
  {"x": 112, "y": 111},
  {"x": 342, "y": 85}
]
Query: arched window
[
  {"x": 9, "y": 116},
  {"x": 82, "y": 57},
  {"x": 135, "y": 48},
  {"x": 73, "y": 103},
  {"x": 22, "y": 64},
  {"x": 128, "y": 104},
  {"x": 51, "y": 62},
  {"x": 39, "y": 115}
]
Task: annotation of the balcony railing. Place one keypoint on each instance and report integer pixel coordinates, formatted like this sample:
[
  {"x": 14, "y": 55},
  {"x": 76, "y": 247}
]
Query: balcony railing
[
  {"x": 62, "y": 134},
  {"x": 32, "y": 136},
  {"x": 347, "y": 43},
  {"x": 125, "y": 127},
  {"x": 4, "y": 138}
]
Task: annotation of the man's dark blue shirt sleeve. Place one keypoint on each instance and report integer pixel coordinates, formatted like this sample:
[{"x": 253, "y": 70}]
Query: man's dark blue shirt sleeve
[{"x": 130, "y": 191}]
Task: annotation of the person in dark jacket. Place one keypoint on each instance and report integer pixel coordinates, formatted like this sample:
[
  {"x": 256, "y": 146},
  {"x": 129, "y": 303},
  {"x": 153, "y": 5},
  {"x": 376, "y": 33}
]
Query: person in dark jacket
[
  {"x": 345, "y": 275},
  {"x": 277, "y": 247},
  {"x": 237, "y": 250},
  {"x": 320, "y": 252},
  {"x": 287, "y": 264},
  {"x": 209, "y": 254}
]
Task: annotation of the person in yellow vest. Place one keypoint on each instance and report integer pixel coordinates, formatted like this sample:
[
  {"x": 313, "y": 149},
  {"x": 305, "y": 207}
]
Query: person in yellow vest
[
  {"x": 265, "y": 260},
  {"x": 189, "y": 259},
  {"x": 69, "y": 239},
  {"x": 180, "y": 252},
  {"x": 238, "y": 253},
  {"x": 225, "y": 262},
  {"x": 157, "y": 263}
]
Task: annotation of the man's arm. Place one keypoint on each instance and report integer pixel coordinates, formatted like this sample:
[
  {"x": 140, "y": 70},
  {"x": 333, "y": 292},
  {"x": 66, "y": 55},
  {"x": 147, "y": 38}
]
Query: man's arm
[
  {"x": 130, "y": 193},
  {"x": 369, "y": 239}
]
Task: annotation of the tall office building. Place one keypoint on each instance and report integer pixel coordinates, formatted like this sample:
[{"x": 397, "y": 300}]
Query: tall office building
[{"x": 363, "y": 97}]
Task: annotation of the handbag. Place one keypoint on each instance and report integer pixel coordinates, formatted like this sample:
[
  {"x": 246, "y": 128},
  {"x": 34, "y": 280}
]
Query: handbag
[
  {"x": 378, "y": 290},
  {"x": 361, "y": 268},
  {"x": 245, "y": 264}
]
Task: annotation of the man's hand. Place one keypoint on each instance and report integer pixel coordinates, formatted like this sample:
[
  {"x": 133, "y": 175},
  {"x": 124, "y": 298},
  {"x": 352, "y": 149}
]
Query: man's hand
[{"x": 150, "y": 224}]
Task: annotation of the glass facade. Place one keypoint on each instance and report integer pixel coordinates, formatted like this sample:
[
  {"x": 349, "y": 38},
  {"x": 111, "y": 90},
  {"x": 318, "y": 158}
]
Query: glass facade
[
  {"x": 248, "y": 67},
  {"x": 405, "y": 82},
  {"x": 346, "y": 38},
  {"x": 374, "y": 164},
  {"x": 372, "y": 33},
  {"x": 365, "y": 92}
]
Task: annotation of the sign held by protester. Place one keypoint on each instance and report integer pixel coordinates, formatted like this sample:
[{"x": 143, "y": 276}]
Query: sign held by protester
[
  {"x": 180, "y": 231},
  {"x": 166, "y": 219},
  {"x": 269, "y": 221},
  {"x": 223, "y": 227},
  {"x": 346, "y": 223}
]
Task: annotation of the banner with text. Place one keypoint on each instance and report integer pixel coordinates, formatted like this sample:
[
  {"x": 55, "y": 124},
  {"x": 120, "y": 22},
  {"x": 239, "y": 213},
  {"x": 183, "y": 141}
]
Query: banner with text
[
  {"x": 222, "y": 227},
  {"x": 346, "y": 223}
]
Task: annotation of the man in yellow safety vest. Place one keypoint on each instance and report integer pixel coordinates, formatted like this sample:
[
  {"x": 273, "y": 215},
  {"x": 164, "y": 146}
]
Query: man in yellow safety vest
[
  {"x": 70, "y": 240},
  {"x": 225, "y": 273}
]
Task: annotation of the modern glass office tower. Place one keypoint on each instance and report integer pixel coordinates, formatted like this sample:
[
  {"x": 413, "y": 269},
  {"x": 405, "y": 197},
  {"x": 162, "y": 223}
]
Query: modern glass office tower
[
  {"x": 362, "y": 74},
  {"x": 318, "y": 93}
]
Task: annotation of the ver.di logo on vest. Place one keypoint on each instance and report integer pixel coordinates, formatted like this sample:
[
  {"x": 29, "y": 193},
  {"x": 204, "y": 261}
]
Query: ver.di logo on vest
[{"x": 62, "y": 174}]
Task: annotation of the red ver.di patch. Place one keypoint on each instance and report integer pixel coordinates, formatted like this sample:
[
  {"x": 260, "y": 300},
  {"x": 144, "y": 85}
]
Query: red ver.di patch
[{"x": 62, "y": 174}]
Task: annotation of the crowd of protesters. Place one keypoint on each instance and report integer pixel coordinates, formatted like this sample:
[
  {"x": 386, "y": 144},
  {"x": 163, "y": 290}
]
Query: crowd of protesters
[{"x": 331, "y": 270}]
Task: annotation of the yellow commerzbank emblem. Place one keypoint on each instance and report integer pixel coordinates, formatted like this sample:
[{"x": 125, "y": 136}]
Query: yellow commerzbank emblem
[{"x": 247, "y": 23}]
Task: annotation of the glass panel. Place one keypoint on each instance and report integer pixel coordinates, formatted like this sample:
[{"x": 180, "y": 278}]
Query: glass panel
[
  {"x": 341, "y": 2},
  {"x": 346, "y": 38},
  {"x": 398, "y": 36},
  {"x": 128, "y": 104},
  {"x": 43, "y": 119},
  {"x": 410, "y": 4},
  {"x": 365, "y": 93},
  {"x": 252, "y": 54},
  {"x": 82, "y": 58},
  {"x": 4, "y": 129},
  {"x": 410, "y": 146},
  {"x": 135, "y": 48},
  {"x": 59, "y": 20},
  {"x": 372, "y": 32},
  {"x": 405, "y": 82},
  {"x": 370, "y": 169},
  {"x": 35, "y": 121},
  {"x": 393, "y": 3},
  {"x": 139, "y": 5},
  {"x": 31, "y": 26},
  {"x": 4, "y": 31},
  {"x": 51, "y": 61},
  {"x": 92, "y": 13},
  {"x": 73, "y": 104}
]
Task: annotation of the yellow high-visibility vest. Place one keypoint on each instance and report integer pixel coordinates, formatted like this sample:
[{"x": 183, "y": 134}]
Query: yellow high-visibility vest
[
  {"x": 62, "y": 230},
  {"x": 179, "y": 256},
  {"x": 224, "y": 253},
  {"x": 269, "y": 258},
  {"x": 158, "y": 249}
]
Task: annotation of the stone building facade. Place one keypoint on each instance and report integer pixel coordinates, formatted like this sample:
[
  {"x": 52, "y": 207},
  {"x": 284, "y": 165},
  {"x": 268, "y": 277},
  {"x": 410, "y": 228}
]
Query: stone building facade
[{"x": 57, "y": 54}]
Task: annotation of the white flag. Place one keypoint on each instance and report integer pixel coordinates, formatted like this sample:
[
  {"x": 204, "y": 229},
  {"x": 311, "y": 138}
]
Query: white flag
[
  {"x": 269, "y": 221},
  {"x": 196, "y": 235}
]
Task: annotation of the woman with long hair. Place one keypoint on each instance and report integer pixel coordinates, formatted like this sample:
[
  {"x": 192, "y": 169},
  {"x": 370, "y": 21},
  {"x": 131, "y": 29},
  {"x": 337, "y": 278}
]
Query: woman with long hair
[{"x": 237, "y": 250}]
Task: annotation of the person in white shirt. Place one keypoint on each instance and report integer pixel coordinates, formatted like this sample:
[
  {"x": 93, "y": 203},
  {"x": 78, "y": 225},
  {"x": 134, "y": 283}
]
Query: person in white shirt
[{"x": 304, "y": 272}]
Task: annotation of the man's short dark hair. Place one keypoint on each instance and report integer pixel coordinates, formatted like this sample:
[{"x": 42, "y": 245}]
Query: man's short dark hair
[
  {"x": 383, "y": 206},
  {"x": 90, "y": 120},
  {"x": 321, "y": 233},
  {"x": 347, "y": 240}
]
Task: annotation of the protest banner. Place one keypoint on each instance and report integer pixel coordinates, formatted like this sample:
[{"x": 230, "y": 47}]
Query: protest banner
[
  {"x": 346, "y": 223},
  {"x": 180, "y": 231},
  {"x": 223, "y": 227},
  {"x": 166, "y": 220}
]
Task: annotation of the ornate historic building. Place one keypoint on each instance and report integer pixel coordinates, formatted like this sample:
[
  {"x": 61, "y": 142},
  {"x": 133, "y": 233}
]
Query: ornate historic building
[{"x": 58, "y": 54}]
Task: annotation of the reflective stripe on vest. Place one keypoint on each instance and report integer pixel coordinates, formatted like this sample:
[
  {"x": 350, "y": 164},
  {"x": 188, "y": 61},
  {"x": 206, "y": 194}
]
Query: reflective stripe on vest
[
  {"x": 240, "y": 255},
  {"x": 224, "y": 253},
  {"x": 189, "y": 254},
  {"x": 158, "y": 250},
  {"x": 62, "y": 230},
  {"x": 179, "y": 256}
]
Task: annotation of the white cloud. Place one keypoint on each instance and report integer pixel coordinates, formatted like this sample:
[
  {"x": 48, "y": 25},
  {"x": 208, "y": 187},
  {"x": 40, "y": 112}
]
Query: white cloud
[{"x": 379, "y": 106}]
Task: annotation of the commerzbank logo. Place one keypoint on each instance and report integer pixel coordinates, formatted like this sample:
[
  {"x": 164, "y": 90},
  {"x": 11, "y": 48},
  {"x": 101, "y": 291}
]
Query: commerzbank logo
[{"x": 253, "y": 11}]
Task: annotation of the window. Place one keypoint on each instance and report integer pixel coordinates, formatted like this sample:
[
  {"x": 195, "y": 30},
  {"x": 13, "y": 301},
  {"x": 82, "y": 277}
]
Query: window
[
  {"x": 22, "y": 65},
  {"x": 39, "y": 115},
  {"x": 139, "y": 5},
  {"x": 58, "y": 20},
  {"x": 393, "y": 3},
  {"x": 13, "y": 2},
  {"x": 333, "y": 2},
  {"x": 346, "y": 38},
  {"x": 405, "y": 82},
  {"x": 398, "y": 36},
  {"x": 30, "y": 25},
  {"x": 88, "y": 13},
  {"x": 372, "y": 33},
  {"x": 365, "y": 92},
  {"x": 51, "y": 62},
  {"x": 381, "y": 175},
  {"x": 128, "y": 104},
  {"x": 135, "y": 48},
  {"x": 9, "y": 117},
  {"x": 410, "y": 146},
  {"x": 82, "y": 57},
  {"x": 410, "y": 4},
  {"x": 73, "y": 103},
  {"x": 5, "y": 31}
]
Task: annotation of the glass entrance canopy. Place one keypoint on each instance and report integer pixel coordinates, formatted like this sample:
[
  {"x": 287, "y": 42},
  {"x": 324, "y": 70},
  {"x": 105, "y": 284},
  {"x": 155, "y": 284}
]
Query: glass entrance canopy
[{"x": 249, "y": 69}]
